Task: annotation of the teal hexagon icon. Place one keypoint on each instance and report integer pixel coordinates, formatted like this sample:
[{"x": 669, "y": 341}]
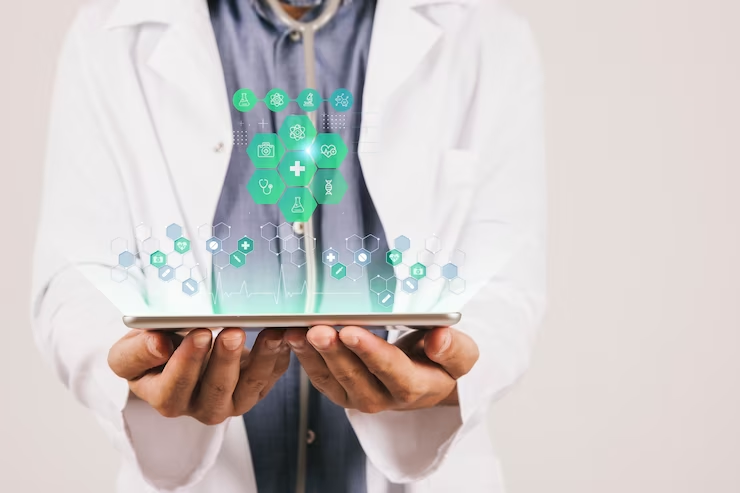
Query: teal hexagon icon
[
  {"x": 297, "y": 204},
  {"x": 394, "y": 257},
  {"x": 277, "y": 100},
  {"x": 266, "y": 150},
  {"x": 328, "y": 186},
  {"x": 244, "y": 100},
  {"x": 418, "y": 271},
  {"x": 237, "y": 259},
  {"x": 329, "y": 150},
  {"x": 266, "y": 186},
  {"x": 158, "y": 259},
  {"x": 309, "y": 100},
  {"x": 246, "y": 245},
  {"x": 297, "y": 132},
  {"x": 182, "y": 245},
  {"x": 297, "y": 169}
]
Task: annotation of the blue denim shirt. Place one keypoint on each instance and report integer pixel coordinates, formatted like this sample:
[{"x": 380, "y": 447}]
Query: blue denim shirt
[{"x": 260, "y": 53}]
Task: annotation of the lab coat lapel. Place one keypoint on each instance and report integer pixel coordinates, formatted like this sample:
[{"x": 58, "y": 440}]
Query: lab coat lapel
[
  {"x": 401, "y": 39},
  {"x": 398, "y": 176},
  {"x": 188, "y": 100}
]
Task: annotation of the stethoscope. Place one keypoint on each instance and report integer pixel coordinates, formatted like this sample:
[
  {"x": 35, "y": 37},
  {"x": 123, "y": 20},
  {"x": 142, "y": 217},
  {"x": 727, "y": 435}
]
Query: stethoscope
[
  {"x": 266, "y": 186},
  {"x": 308, "y": 31}
]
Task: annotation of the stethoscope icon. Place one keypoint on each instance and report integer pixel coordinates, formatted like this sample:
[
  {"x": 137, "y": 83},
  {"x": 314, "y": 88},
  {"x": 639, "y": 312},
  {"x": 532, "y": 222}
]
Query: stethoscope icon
[{"x": 266, "y": 186}]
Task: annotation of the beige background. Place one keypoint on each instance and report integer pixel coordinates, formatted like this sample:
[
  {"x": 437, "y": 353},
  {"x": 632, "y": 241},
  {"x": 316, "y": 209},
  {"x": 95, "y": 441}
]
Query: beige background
[{"x": 636, "y": 382}]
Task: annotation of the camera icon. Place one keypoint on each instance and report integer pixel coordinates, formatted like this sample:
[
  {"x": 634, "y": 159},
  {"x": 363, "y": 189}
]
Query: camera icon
[{"x": 266, "y": 150}]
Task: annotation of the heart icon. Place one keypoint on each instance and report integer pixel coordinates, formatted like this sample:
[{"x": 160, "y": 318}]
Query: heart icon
[{"x": 329, "y": 150}]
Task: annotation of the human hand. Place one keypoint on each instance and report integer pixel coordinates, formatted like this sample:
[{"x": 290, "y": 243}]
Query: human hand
[
  {"x": 356, "y": 369},
  {"x": 197, "y": 376}
]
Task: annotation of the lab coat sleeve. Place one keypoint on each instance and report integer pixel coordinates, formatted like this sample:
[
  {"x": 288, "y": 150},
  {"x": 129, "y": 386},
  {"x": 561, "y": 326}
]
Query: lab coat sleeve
[
  {"x": 503, "y": 240},
  {"x": 85, "y": 207}
]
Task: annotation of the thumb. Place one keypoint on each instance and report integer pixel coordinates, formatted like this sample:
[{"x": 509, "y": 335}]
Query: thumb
[
  {"x": 138, "y": 352},
  {"x": 451, "y": 349}
]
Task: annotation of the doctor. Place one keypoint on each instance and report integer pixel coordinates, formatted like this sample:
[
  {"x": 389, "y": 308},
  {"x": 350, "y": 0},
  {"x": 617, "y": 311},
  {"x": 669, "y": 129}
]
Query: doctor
[{"x": 450, "y": 144}]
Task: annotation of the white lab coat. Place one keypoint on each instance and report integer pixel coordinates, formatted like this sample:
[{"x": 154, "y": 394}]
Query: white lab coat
[{"x": 451, "y": 146}]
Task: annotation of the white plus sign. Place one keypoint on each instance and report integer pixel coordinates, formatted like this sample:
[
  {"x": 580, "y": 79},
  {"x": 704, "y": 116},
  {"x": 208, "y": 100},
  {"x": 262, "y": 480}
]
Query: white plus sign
[
  {"x": 298, "y": 168},
  {"x": 330, "y": 257},
  {"x": 262, "y": 124},
  {"x": 245, "y": 246}
]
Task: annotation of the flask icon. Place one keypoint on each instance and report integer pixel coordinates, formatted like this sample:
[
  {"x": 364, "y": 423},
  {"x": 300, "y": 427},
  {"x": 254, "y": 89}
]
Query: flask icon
[
  {"x": 297, "y": 206},
  {"x": 245, "y": 100}
]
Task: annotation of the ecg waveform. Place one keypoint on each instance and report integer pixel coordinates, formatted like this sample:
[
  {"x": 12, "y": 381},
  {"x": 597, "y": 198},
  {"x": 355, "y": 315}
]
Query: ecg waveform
[{"x": 281, "y": 290}]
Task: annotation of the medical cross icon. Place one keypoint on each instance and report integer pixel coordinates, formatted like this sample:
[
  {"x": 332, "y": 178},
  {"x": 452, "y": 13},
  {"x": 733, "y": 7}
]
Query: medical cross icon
[
  {"x": 297, "y": 168},
  {"x": 331, "y": 257},
  {"x": 246, "y": 245}
]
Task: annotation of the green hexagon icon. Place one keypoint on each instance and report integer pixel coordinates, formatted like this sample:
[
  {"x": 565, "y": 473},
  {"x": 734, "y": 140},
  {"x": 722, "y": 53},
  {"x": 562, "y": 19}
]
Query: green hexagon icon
[
  {"x": 297, "y": 169},
  {"x": 418, "y": 271},
  {"x": 158, "y": 259},
  {"x": 266, "y": 150},
  {"x": 182, "y": 245},
  {"x": 237, "y": 259},
  {"x": 328, "y": 186},
  {"x": 246, "y": 245},
  {"x": 244, "y": 100},
  {"x": 277, "y": 100},
  {"x": 309, "y": 100},
  {"x": 297, "y": 132},
  {"x": 266, "y": 186},
  {"x": 329, "y": 150},
  {"x": 297, "y": 204},
  {"x": 394, "y": 257}
]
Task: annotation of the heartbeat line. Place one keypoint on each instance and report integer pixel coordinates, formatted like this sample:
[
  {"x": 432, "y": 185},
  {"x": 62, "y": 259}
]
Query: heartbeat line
[{"x": 281, "y": 290}]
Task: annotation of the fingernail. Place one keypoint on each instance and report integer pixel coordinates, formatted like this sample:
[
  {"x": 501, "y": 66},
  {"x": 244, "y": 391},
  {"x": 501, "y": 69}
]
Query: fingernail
[
  {"x": 445, "y": 343},
  {"x": 351, "y": 341},
  {"x": 202, "y": 340},
  {"x": 321, "y": 343},
  {"x": 296, "y": 344},
  {"x": 151, "y": 344},
  {"x": 273, "y": 343},
  {"x": 232, "y": 342}
]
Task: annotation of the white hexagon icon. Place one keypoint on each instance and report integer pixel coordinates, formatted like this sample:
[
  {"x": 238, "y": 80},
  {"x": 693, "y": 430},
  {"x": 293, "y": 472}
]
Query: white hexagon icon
[{"x": 433, "y": 244}]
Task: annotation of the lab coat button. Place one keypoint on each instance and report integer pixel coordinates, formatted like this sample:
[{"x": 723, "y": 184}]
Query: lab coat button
[
  {"x": 295, "y": 36},
  {"x": 310, "y": 437},
  {"x": 298, "y": 228}
]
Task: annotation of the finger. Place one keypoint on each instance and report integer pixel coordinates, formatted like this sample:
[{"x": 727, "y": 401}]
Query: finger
[
  {"x": 171, "y": 392},
  {"x": 315, "y": 367},
  {"x": 364, "y": 391},
  {"x": 453, "y": 350},
  {"x": 387, "y": 362},
  {"x": 138, "y": 352},
  {"x": 214, "y": 402},
  {"x": 268, "y": 360}
]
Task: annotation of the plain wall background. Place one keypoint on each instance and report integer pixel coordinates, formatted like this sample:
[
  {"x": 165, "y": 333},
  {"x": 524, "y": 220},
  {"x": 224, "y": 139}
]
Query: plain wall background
[{"x": 636, "y": 380}]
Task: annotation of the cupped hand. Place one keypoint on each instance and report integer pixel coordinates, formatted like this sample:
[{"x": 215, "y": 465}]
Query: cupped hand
[
  {"x": 358, "y": 370},
  {"x": 210, "y": 380}
]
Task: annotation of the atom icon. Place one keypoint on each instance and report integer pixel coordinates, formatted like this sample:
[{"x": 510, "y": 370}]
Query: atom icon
[
  {"x": 342, "y": 100},
  {"x": 277, "y": 99},
  {"x": 297, "y": 132}
]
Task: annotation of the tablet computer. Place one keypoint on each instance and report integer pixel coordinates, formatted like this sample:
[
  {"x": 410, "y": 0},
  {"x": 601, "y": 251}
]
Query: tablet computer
[{"x": 291, "y": 321}]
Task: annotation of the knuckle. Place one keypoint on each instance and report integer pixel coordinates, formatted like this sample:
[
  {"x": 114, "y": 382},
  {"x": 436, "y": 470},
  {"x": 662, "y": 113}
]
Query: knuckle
[
  {"x": 369, "y": 406},
  {"x": 211, "y": 418},
  {"x": 348, "y": 376},
  {"x": 255, "y": 386},
  {"x": 321, "y": 381},
  {"x": 166, "y": 408}
]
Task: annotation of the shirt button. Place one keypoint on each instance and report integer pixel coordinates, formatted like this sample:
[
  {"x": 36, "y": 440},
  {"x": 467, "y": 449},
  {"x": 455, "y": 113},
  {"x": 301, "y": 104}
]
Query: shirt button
[
  {"x": 310, "y": 437},
  {"x": 295, "y": 36},
  {"x": 298, "y": 228}
]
